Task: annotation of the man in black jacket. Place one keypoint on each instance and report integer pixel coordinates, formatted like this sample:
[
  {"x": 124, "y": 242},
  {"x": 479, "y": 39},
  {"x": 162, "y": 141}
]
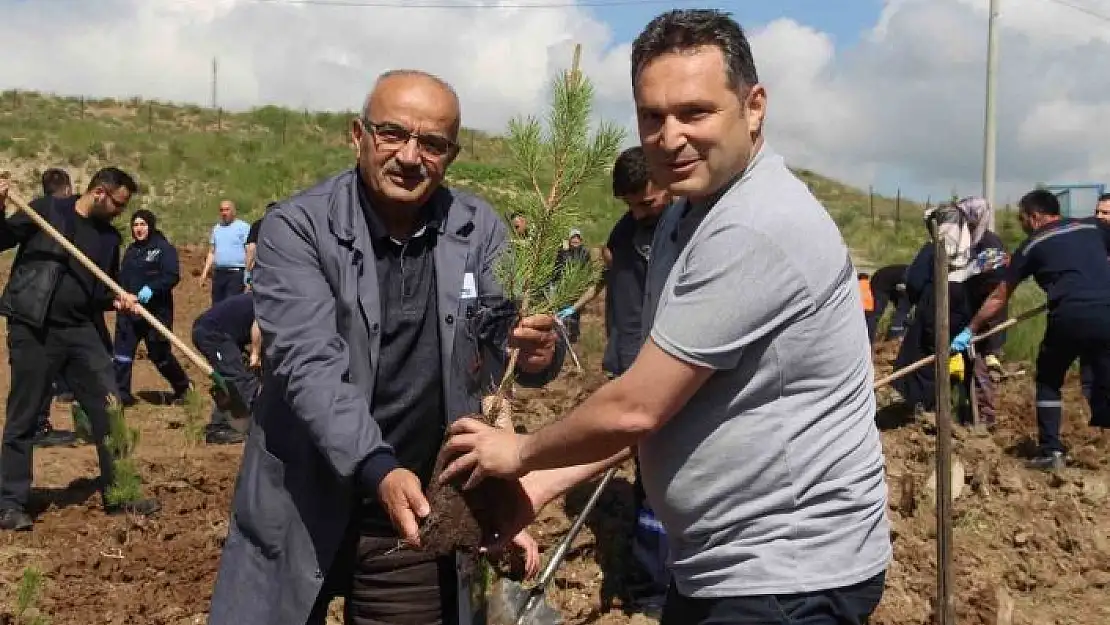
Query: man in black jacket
[
  {"x": 150, "y": 270},
  {"x": 55, "y": 310}
]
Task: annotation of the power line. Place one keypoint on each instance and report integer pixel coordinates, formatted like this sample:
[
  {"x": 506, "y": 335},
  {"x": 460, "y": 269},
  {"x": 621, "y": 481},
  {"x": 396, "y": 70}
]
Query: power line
[
  {"x": 1083, "y": 9},
  {"x": 402, "y": 4}
]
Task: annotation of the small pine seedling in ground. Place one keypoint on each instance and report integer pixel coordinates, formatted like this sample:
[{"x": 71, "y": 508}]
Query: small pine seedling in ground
[
  {"x": 556, "y": 159},
  {"x": 127, "y": 484},
  {"x": 194, "y": 417},
  {"x": 27, "y": 596}
]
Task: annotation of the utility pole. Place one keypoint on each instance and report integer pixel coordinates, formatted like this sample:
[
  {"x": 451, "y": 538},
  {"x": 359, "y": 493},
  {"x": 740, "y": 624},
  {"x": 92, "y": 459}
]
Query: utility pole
[
  {"x": 214, "y": 70},
  {"x": 990, "y": 126}
]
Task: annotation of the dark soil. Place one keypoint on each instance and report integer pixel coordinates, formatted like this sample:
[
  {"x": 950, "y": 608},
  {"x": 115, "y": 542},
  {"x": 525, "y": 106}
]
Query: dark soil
[{"x": 464, "y": 520}]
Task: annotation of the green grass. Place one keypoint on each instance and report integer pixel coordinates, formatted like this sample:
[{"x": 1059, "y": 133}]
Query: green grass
[{"x": 186, "y": 163}]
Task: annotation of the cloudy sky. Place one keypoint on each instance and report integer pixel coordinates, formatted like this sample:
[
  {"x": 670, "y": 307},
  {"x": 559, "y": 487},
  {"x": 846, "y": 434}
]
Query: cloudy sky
[{"x": 888, "y": 93}]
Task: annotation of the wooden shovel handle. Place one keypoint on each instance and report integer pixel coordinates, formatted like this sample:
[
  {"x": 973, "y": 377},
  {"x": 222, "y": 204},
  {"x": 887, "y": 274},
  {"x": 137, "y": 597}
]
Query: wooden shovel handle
[
  {"x": 926, "y": 361},
  {"x": 43, "y": 224}
]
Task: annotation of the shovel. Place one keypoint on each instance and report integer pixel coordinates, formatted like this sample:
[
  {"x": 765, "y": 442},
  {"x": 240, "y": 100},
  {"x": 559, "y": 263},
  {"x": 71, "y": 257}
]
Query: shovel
[
  {"x": 222, "y": 393},
  {"x": 511, "y": 604}
]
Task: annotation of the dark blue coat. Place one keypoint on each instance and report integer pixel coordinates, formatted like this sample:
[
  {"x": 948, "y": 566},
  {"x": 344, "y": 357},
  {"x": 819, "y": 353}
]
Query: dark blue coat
[{"x": 151, "y": 263}]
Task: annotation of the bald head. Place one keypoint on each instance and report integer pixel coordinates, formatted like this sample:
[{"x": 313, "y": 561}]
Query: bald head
[
  {"x": 413, "y": 84},
  {"x": 406, "y": 137}
]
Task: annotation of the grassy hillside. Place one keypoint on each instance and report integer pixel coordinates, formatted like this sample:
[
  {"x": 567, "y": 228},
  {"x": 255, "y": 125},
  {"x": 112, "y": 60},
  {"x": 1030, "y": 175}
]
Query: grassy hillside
[{"x": 187, "y": 158}]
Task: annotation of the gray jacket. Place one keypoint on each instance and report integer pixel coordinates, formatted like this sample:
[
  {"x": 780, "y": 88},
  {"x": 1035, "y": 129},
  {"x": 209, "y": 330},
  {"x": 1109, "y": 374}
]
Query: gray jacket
[{"x": 316, "y": 300}]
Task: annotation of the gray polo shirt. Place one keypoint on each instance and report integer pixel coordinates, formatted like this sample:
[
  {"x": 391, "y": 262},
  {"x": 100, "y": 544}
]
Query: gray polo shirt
[{"x": 770, "y": 479}]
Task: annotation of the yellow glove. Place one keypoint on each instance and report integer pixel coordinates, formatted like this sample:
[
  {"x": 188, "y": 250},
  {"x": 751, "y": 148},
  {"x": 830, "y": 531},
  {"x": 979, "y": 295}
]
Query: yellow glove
[{"x": 956, "y": 367}]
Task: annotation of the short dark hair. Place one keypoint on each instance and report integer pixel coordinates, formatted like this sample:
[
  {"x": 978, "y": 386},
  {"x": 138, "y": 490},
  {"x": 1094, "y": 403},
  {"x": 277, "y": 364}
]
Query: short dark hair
[
  {"x": 1040, "y": 201},
  {"x": 55, "y": 180},
  {"x": 515, "y": 215},
  {"x": 684, "y": 29},
  {"x": 113, "y": 178},
  {"x": 1105, "y": 197},
  {"x": 630, "y": 172}
]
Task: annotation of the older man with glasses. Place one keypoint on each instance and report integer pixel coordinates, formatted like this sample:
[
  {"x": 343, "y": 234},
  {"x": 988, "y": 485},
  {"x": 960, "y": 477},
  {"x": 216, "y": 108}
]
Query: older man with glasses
[{"x": 382, "y": 324}]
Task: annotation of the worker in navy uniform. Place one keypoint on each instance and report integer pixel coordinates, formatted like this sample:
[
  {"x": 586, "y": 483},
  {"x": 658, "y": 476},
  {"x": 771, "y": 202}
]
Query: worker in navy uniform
[
  {"x": 223, "y": 334},
  {"x": 56, "y": 183},
  {"x": 150, "y": 270},
  {"x": 55, "y": 309},
  {"x": 1067, "y": 258}
]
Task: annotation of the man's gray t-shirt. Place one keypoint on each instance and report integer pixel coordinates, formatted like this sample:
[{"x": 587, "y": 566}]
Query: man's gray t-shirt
[{"x": 770, "y": 479}]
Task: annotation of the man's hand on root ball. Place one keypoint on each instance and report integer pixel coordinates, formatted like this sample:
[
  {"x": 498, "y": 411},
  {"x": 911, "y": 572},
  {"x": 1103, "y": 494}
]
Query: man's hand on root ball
[
  {"x": 481, "y": 451},
  {"x": 403, "y": 499}
]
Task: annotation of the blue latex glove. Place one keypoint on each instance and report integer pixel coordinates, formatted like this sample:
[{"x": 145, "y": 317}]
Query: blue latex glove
[
  {"x": 962, "y": 341},
  {"x": 566, "y": 312},
  {"x": 145, "y": 294}
]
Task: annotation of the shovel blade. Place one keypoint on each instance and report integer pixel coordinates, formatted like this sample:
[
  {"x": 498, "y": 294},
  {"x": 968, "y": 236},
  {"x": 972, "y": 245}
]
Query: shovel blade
[{"x": 510, "y": 604}]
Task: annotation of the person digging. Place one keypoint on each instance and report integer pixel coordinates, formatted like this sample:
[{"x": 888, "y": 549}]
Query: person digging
[
  {"x": 55, "y": 310},
  {"x": 228, "y": 337},
  {"x": 1067, "y": 259}
]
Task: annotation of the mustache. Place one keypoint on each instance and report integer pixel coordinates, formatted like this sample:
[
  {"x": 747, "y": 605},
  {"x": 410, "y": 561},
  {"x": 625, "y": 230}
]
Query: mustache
[{"x": 395, "y": 167}]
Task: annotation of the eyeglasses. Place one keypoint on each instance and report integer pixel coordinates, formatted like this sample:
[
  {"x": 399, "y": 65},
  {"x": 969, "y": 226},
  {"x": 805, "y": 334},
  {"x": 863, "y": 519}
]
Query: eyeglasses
[{"x": 394, "y": 136}]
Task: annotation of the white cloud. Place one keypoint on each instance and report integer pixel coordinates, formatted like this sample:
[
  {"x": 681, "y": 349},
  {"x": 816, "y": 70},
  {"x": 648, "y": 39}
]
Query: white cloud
[{"x": 902, "y": 106}]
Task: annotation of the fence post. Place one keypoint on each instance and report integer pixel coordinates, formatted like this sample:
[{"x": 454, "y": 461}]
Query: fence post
[
  {"x": 149, "y": 117},
  {"x": 284, "y": 118},
  {"x": 944, "y": 611},
  {"x": 897, "y": 208},
  {"x": 871, "y": 201}
]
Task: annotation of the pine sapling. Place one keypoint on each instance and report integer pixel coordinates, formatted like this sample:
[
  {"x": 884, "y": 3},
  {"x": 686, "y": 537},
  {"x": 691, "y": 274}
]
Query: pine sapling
[
  {"x": 194, "y": 418},
  {"x": 27, "y": 597},
  {"x": 127, "y": 485},
  {"x": 555, "y": 159}
]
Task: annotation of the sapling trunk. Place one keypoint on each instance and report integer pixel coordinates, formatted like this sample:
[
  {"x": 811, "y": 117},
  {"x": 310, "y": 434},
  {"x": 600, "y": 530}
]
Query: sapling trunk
[{"x": 564, "y": 155}]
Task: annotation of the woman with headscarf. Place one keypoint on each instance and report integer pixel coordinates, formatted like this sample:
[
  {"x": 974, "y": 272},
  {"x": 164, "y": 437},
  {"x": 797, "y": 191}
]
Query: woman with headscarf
[
  {"x": 975, "y": 269},
  {"x": 150, "y": 270}
]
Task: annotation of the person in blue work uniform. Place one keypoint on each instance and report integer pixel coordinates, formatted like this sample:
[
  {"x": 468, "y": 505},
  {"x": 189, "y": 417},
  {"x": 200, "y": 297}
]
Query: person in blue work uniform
[
  {"x": 1086, "y": 374},
  {"x": 574, "y": 252},
  {"x": 226, "y": 262},
  {"x": 150, "y": 270},
  {"x": 221, "y": 334},
  {"x": 1067, "y": 258}
]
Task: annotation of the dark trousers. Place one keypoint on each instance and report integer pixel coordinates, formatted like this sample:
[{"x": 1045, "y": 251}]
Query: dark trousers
[
  {"x": 902, "y": 307},
  {"x": 851, "y": 605},
  {"x": 1086, "y": 378},
  {"x": 406, "y": 587},
  {"x": 58, "y": 388},
  {"x": 37, "y": 356},
  {"x": 129, "y": 331},
  {"x": 226, "y": 281},
  {"x": 227, "y": 360},
  {"x": 1080, "y": 332}
]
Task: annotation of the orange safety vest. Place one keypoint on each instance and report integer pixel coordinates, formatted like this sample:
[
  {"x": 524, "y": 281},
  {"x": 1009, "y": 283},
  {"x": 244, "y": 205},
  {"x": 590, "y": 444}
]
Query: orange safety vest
[{"x": 866, "y": 294}]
